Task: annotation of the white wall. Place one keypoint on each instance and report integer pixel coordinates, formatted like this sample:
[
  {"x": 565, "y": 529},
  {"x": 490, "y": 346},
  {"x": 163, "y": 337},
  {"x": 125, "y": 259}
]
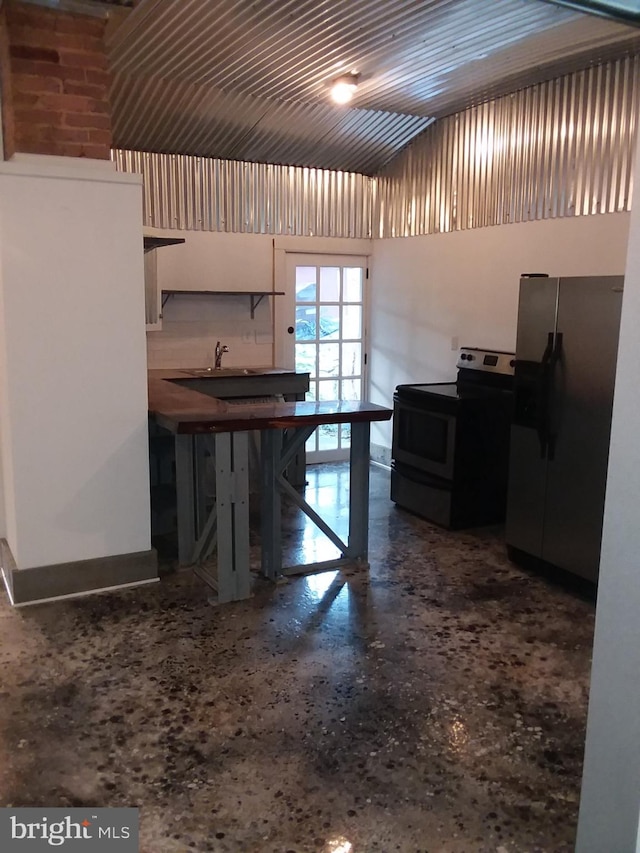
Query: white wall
[
  {"x": 7, "y": 518},
  {"x": 212, "y": 260},
  {"x": 434, "y": 293},
  {"x": 192, "y": 323},
  {"x": 610, "y": 801},
  {"x": 73, "y": 414}
]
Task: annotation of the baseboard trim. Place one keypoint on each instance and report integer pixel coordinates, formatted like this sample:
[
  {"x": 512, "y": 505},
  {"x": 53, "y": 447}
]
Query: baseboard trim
[
  {"x": 381, "y": 455},
  {"x": 78, "y": 578}
]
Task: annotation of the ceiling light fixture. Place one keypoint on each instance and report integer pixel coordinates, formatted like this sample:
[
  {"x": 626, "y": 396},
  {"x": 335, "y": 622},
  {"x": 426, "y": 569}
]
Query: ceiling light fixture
[{"x": 343, "y": 88}]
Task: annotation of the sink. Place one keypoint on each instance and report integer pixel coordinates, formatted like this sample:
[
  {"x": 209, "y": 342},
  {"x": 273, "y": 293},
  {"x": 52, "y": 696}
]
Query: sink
[{"x": 221, "y": 372}]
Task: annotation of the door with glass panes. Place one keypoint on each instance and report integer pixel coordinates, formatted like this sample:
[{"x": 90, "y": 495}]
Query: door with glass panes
[{"x": 327, "y": 295}]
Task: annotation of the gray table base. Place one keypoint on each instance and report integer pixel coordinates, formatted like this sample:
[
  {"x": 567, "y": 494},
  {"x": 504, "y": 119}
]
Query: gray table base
[
  {"x": 221, "y": 523},
  {"x": 224, "y": 524},
  {"x": 277, "y": 452}
]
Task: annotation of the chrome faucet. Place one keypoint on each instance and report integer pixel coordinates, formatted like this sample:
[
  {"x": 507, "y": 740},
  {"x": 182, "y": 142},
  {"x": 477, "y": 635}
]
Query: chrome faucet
[{"x": 220, "y": 351}]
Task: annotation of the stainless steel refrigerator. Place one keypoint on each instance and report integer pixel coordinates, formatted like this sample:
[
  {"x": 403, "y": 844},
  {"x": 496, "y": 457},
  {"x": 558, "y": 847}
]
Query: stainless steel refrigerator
[{"x": 566, "y": 350}]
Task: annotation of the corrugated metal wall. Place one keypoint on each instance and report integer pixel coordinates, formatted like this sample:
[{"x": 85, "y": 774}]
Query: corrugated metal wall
[
  {"x": 202, "y": 194},
  {"x": 561, "y": 148}
]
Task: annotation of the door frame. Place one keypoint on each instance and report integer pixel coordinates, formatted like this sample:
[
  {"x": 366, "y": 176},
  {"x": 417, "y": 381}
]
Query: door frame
[
  {"x": 284, "y": 312},
  {"x": 283, "y": 351},
  {"x": 336, "y": 246}
]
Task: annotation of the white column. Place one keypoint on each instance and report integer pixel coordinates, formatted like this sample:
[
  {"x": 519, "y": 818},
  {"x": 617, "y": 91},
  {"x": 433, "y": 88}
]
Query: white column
[
  {"x": 73, "y": 400},
  {"x": 610, "y": 802}
]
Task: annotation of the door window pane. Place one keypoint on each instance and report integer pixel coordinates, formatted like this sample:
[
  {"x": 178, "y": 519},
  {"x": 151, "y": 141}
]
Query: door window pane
[
  {"x": 305, "y": 284},
  {"x": 329, "y": 359},
  {"x": 305, "y": 322},
  {"x": 345, "y": 435},
  {"x": 352, "y": 286},
  {"x": 328, "y": 437},
  {"x": 352, "y": 321},
  {"x": 351, "y": 389},
  {"x": 329, "y": 321},
  {"x": 329, "y": 284},
  {"x": 351, "y": 359},
  {"x": 306, "y": 359},
  {"x": 328, "y": 389}
]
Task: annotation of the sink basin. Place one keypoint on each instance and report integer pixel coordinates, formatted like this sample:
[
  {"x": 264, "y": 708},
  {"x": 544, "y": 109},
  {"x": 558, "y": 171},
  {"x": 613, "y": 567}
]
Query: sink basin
[{"x": 221, "y": 372}]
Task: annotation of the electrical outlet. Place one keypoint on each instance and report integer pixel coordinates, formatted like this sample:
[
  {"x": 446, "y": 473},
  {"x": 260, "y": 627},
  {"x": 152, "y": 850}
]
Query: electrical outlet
[{"x": 455, "y": 344}]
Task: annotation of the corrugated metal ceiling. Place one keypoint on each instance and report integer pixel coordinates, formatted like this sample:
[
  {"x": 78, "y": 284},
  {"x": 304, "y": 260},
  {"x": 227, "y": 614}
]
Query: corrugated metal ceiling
[{"x": 246, "y": 80}]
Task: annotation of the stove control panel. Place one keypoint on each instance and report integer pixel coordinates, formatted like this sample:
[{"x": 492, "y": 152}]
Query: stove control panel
[{"x": 491, "y": 361}]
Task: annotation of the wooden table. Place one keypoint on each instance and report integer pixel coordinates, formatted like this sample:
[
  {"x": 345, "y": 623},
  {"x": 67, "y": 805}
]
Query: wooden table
[{"x": 204, "y": 425}]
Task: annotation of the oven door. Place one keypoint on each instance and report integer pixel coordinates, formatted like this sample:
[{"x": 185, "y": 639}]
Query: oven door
[{"x": 424, "y": 438}]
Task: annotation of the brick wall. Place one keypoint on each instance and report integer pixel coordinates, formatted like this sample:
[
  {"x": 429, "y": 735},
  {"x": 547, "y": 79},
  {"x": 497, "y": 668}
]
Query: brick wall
[
  {"x": 58, "y": 82},
  {"x": 8, "y": 133}
]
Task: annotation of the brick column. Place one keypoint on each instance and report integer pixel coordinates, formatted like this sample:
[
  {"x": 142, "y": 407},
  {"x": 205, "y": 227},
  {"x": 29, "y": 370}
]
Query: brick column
[
  {"x": 6, "y": 116},
  {"x": 54, "y": 82}
]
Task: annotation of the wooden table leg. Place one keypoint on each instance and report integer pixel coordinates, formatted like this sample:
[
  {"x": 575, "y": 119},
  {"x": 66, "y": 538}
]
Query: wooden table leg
[
  {"x": 275, "y": 457},
  {"x": 232, "y": 507},
  {"x": 270, "y": 503},
  {"x": 185, "y": 498},
  {"x": 358, "y": 543}
]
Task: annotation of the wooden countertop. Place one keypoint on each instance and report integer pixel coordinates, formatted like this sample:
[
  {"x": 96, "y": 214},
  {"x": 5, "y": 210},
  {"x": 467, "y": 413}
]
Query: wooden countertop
[
  {"x": 183, "y": 410},
  {"x": 225, "y": 373}
]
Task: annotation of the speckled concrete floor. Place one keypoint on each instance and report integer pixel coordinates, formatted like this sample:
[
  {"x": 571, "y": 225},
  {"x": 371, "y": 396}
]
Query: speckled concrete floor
[{"x": 436, "y": 703}]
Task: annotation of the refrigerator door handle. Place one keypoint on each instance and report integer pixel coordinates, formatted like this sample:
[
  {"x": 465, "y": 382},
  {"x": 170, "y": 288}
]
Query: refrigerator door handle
[
  {"x": 552, "y": 432},
  {"x": 542, "y": 420}
]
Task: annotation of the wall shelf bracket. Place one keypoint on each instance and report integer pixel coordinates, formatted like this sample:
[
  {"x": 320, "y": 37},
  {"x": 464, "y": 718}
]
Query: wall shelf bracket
[{"x": 256, "y": 299}]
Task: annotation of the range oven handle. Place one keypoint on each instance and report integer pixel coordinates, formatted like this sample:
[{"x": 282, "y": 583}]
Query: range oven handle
[{"x": 544, "y": 392}]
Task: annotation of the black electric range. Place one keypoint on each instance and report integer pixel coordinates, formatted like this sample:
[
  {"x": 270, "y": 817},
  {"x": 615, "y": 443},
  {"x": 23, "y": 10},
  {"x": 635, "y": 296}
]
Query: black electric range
[{"x": 451, "y": 442}]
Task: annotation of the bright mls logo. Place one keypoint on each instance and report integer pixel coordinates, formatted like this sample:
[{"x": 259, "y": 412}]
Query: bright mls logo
[{"x": 73, "y": 830}]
